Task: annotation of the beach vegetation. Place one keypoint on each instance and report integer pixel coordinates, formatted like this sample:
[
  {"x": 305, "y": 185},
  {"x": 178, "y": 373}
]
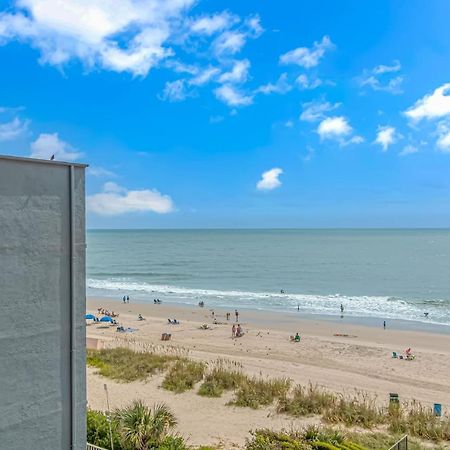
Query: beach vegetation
[
  {"x": 183, "y": 375},
  {"x": 360, "y": 410},
  {"x": 98, "y": 430},
  {"x": 222, "y": 376},
  {"x": 255, "y": 392},
  {"x": 312, "y": 438},
  {"x": 143, "y": 428},
  {"x": 125, "y": 365},
  {"x": 305, "y": 401}
]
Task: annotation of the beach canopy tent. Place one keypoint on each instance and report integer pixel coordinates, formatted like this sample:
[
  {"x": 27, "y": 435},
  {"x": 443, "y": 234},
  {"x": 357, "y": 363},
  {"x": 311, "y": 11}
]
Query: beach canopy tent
[
  {"x": 90, "y": 316},
  {"x": 106, "y": 319}
]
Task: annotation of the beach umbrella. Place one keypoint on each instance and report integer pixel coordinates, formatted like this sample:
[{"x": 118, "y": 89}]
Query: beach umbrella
[
  {"x": 89, "y": 316},
  {"x": 106, "y": 319}
]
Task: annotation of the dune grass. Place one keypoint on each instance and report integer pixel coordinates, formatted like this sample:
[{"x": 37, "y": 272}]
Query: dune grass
[
  {"x": 223, "y": 376},
  {"x": 125, "y": 365},
  {"x": 361, "y": 410},
  {"x": 183, "y": 375},
  {"x": 305, "y": 401},
  {"x": 255, "y": 392}
]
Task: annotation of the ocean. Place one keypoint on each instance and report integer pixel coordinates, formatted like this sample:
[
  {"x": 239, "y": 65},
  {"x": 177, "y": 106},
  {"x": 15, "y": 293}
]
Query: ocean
[{"x": 385, "y": 274}]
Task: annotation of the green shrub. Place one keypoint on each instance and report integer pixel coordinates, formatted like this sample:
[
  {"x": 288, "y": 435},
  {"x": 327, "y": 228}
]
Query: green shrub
[
  {"x": 418, "y": 421},
  {"x": 306, "y": 401},
  {"x": 183, "y": 375},
  {"x": 224, "y": 376},
  {"x": 173, "y": 443},
  {"x": 361, "y": 410},
  {"x": 98, "y": 430},
  {"x": 254, "y": 392},
  {"x": 123, "y": 364}
]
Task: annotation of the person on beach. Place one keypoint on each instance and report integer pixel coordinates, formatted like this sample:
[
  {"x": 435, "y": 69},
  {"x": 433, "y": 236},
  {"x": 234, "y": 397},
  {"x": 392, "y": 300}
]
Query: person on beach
[
  {"x": 298, "y": 307},
  {"x": 228, "y": 316},
  {"x": 124, "y": 299},
  {"x": 342, "y": 308},
  {"x": 384, "y": 324},
  {"x": 128, "y": 299},
  {"x": 239, "y": 332},
  {"x": 233, "y": 331},
  {"x": 237, "y": 315}
]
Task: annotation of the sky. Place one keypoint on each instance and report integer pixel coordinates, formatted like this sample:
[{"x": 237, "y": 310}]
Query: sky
[{"x": 237, "y": 114}]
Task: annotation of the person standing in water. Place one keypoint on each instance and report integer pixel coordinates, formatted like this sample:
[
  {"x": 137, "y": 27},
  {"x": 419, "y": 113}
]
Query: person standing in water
[
  {"x": 384, "y": 324},
  {"x": 342, "y": 308}
]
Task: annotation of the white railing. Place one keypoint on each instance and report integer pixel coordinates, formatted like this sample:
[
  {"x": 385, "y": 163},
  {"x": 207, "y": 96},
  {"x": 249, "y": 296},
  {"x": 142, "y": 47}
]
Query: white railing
[
  {"x": 93, "y": 447},
  {"x": 402, "y": 444}
]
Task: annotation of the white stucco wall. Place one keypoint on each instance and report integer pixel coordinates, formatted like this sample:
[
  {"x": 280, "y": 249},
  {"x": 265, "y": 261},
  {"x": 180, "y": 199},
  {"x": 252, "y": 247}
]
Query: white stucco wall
[{"x": 42, "y": 389}]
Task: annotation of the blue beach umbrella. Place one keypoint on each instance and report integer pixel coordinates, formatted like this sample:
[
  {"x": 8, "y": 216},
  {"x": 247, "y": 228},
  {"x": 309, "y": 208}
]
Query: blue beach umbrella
[
  {"x": 89, "y": 316},
  {"x": 106, "y": 319}
]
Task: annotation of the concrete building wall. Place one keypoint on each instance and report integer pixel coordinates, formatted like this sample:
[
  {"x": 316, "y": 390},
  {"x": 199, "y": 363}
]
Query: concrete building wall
[{"x": 42, "y": 292}]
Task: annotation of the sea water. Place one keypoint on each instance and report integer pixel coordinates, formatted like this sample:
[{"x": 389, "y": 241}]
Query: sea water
[{"x": 386, "y": 274}]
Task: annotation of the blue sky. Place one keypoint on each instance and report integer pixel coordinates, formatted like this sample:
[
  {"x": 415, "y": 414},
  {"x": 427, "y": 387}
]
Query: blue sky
[{"x": 236, "y": 114}]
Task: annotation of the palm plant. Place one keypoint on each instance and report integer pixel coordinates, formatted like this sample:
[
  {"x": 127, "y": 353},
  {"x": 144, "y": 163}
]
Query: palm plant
[{"x": 143, "y": 428}]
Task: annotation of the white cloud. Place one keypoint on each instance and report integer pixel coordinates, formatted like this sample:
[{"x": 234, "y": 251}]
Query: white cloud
[
  {"x": 254, "y": 27},
  {"x": 232, "y": 96},
  {"x": 337, "y": 128},
  {"x": 229, "y": 43},
  {"x": 238, "y": 74},
  {"x": 305, "y": 82},
  {"x": 47, "y": 145},
  {"x": 13, "y": 129},
  {"x": 432, "y": 106},
  {"x": 315, "y": 110},
  {"x": 396, "y": 66},
  {"x": 443, "y": 142},
  {"x": 377, "y": 79},
  {"x": 281, "y": 86},
  {"x": 174, "y": 91},
  {"x": 100, "y": 172},
  {"x": 408, "y": 150},
  {"x": 386, "y": 136},
  {"x": 204, "y": 76},
  {"x": 119, "y": 35},
  {"x": 211, "y": 24},
  {"x": 116, "y": 200},
  {"x": 270, "y": 180},
  {"x": 334, "y": 127},
  {"x": 306, "y": 57}
]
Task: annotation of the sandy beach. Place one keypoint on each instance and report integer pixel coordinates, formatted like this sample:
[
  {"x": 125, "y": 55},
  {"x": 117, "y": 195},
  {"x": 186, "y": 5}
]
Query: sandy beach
[{"x": 337, "y": 356}]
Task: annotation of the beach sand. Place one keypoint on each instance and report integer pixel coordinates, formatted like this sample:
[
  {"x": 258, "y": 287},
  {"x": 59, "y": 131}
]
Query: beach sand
[{"x": 358, "y": 359}]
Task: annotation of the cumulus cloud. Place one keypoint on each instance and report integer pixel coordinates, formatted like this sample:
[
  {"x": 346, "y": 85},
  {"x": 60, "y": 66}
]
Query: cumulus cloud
[
  {"x": 13, "y": 129},
  {"x": 307, "y": 57},
  {"x": 408, "y": 150},
  {"x": 116, "y": 200},
  {"x": 232, "y": 96},
  {"x": 238, "y": 73},
  {"x": 338, "y": 128},
  {"x": 174, "y": 91},
  {"x": 382, "y": 78},
  {"x": 204, "y": 76},
  {"x": 210, "y": 24},
  {"x": 229, "y": 43},
  {"x": 305, "y": 82},
  {"x": 386, "y": 136},
  {"x": 270, "y": 180},
  {"x": 281, "y": 86},
  {"x": 334, "y": 127},
  {"x": 432, "y": 106},
  {"x": 119, "y": 35},
  {"x": 47, "y": 145},
  {"x": 443, "y": 132},
  {"x": 316, "y": 110}
]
